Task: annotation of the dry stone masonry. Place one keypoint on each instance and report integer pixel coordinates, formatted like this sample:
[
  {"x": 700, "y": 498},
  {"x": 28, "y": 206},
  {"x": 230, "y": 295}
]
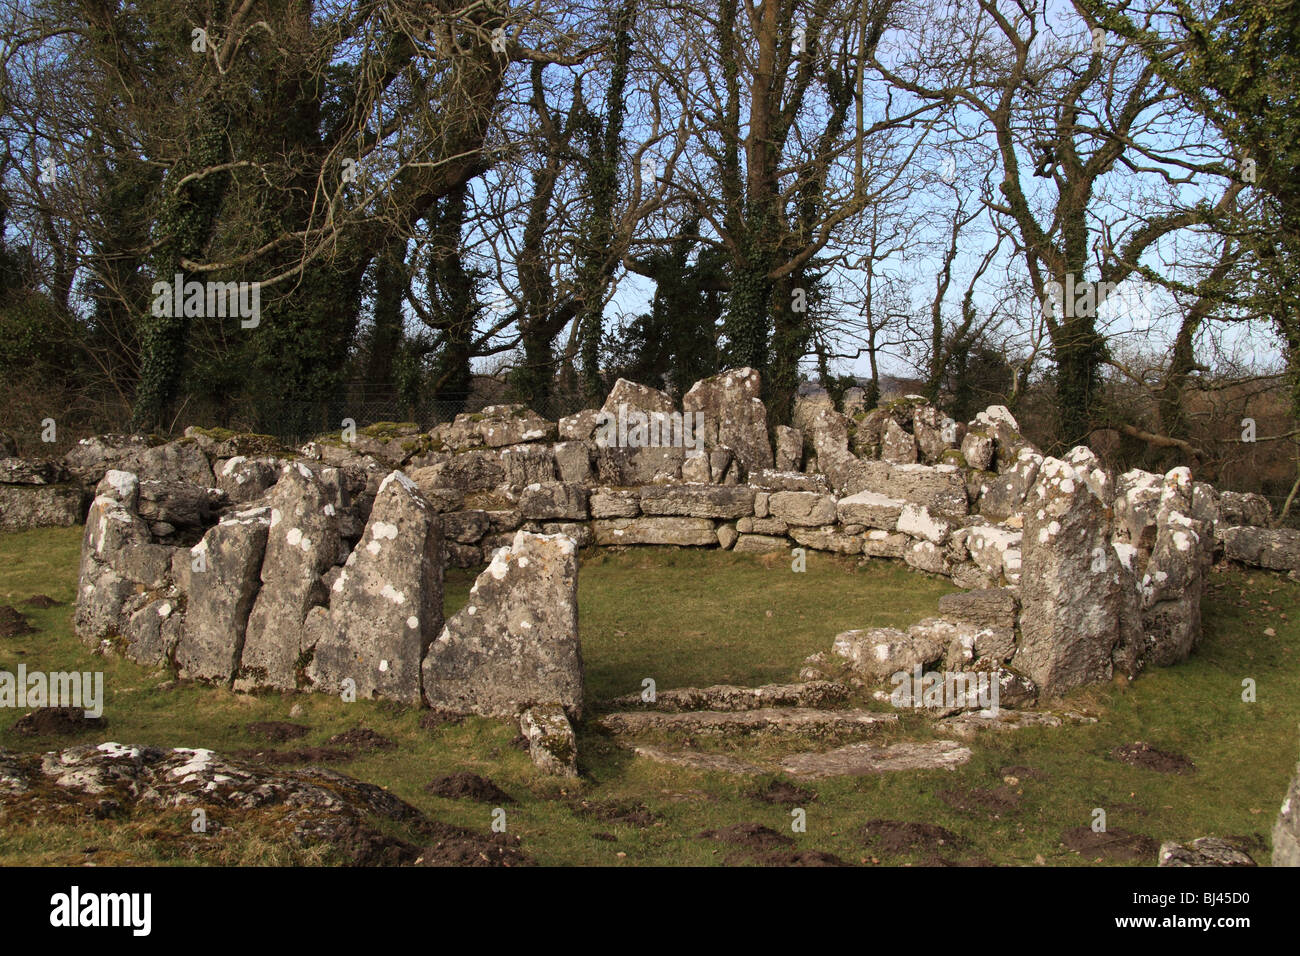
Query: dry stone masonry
[{"x": 255, "y": 567}]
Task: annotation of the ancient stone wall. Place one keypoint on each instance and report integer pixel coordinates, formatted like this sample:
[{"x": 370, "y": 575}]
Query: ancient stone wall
[{"x": 321, "y": 568}]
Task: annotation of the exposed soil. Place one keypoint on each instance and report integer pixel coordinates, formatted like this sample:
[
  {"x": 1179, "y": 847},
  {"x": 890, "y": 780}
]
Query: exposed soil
[
  {"x": 632, "y": 814},
  {"x": 751, "y": 835},
  {"x": 41, "y": 601},
  {"x": 468, "y": 786},
  {"x": 459, "y": 847},
  {"x": 361, "y": 738},
  {"x": 276, "y": 731},
  {"x": 57, "y": 722},
  {"x": 899, "y": 836},
  {"x": 1115, "y": 844},
  {"x": 792, "y": 858},
  {"x": 994, "y": 802},
  {"x": 13, "y": 623},
  {"x": 785, "y": 793},
  {"x": 1142, "y": 754}
]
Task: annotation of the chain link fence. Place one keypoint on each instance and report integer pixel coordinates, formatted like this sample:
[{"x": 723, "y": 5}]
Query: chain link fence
[{"x": 45, "y": 423}]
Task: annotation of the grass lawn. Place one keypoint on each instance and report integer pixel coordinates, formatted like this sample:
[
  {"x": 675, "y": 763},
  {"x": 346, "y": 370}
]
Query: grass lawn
[{"x": 691, "y": 618}]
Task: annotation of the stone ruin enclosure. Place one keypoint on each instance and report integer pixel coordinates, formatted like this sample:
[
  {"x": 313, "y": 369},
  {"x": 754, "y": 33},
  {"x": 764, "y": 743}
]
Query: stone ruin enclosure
[{"x": 246, "y": 565}]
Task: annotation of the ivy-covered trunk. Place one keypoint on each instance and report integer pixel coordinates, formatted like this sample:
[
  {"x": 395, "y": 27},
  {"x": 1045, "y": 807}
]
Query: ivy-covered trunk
[{"x": 186, "y": 221}]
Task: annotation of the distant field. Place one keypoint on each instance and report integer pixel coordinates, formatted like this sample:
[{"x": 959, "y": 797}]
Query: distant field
[{"x": 692, "y": 618}]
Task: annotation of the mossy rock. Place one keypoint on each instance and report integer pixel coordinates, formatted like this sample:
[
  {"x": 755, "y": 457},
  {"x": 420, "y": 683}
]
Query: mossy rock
[
  {"x": 245, "y": 443},
  {"x": 389, "y": 430},
  {"x": 953, "y": 456}
]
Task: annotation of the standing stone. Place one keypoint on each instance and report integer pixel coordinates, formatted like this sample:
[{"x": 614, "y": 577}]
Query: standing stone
[
  {"x": 580, "y": 426},
  {"x": 515, "y": 643},
  {"x": 696, "y": 470},
  {"x": 1172, "y": 588},
  {"x": 789, "y": 448},
  {"x": 977, "y": 449},
  {"x": 935, "y": 433},
  {"x": 386, "y": 604},
  {"x": 152, "y": 631},
  {"x": 1137, "y": 502},
  {"x": 898, "y": 447},
  {"x": 113, "y": 532},
  {"x": 641, "y": 398},
  {"x": 997, "y": 422},
  {"x": 302, "y": 543},
  {"x": 222, "y": 574},
  {"x": 733, "y": 415},
  {"x": 1004, "y": 495},
  {"x": 246, "y": 479},
  {"x": 1070, "y": 598},
  {"x": 1286, "y": 831}
]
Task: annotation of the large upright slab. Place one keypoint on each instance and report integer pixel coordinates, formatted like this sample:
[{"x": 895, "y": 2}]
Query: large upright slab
[
  {"x": 734, "y": 415},
  {"x": 515, "y": 643},
  {"x": 1070, "y": 582},
  {"x": 223, "y": 579},
  {"x": 386, "y": 604},
  {"x": 302, "y": 542}
]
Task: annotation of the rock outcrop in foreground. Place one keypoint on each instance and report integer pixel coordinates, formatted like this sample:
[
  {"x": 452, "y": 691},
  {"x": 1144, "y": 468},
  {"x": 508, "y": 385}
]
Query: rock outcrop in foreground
[{"x": 310, "y": 811}]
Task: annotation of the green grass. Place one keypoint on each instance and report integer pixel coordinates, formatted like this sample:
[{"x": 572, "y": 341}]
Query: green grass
[{"x": 690, "y": 617}]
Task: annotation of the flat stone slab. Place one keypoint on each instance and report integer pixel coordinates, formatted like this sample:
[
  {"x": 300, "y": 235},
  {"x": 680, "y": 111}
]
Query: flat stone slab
[
  {"x": 858, "y": 760},
  {"x": 764, "y": 719},
  {"x": 969, "y": 724},
  {"x": 816, "y": 693},
  {"x": 697, "y": 761}
]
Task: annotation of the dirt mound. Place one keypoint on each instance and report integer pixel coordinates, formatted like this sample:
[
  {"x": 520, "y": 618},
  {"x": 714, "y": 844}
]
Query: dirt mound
[
  {"x": 981, "y": 800},
  {"x": 794, "y": 858},
  {"x": 752, "y": 835},
  {"x": 276, "y": 731},
  {"x": 361, "y": 738},
  {"x": 57, "y": 722},
  {"x": 900, "y": 836},
  {"x": 468, "y": 786},
  {"x": 460, "y": 847},
  {"x": 1115, "y": 844},
  {"x": 618, "y": 811},
  {"x": 1142, "y": 754},
  {"x": 785, "y": 793},
  {"x": 41, "y": 601},
  {"x": 13, "y": 623}
]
